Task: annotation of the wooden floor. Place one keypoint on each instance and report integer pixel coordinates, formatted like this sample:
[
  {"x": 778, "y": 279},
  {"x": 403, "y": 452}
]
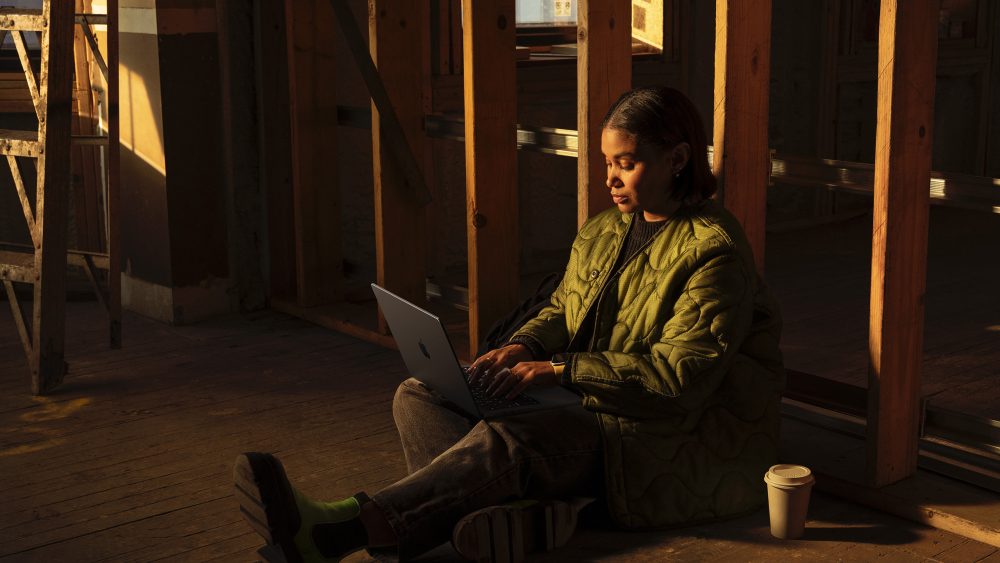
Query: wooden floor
[
  {"x": 821, "y": 277},
  {"x": 131, "y": 459}
]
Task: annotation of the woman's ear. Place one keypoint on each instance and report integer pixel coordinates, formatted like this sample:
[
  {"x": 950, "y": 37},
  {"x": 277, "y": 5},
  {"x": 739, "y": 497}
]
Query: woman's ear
[{"x": 680, "y": 156}]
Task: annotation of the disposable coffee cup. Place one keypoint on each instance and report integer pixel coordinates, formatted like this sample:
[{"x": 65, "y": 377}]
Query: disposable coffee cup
[{"x": 788, "y": 488}]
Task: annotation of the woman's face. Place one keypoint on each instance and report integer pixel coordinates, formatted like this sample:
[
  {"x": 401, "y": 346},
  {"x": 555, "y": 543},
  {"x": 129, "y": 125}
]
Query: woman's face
[{"x": 640, "y": 178}]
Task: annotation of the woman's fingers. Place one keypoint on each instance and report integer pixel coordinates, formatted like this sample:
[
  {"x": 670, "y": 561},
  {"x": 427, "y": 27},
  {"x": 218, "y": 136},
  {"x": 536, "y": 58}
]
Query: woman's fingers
[
  {"x": 504, "y": 381},
  {"x": 480, "y": 367},
  {"x": 486, "y": 369},
  {"x": 521, "y": 387}
]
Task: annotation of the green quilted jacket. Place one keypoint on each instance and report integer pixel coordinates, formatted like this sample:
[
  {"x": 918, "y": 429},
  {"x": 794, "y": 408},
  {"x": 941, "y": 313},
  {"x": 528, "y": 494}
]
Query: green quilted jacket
[{"x": 683, "y": 367}]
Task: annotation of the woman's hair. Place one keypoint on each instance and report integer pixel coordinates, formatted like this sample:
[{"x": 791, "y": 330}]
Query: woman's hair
[{"x": 660, "y": 118}]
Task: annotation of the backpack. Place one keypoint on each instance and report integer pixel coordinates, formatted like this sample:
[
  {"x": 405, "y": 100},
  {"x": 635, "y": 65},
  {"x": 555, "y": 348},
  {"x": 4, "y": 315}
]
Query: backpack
[{"x": 502, "y": 330}]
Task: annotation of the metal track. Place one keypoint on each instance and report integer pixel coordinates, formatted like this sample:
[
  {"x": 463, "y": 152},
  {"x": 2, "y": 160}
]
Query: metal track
[{"x": 953, "y": 190}]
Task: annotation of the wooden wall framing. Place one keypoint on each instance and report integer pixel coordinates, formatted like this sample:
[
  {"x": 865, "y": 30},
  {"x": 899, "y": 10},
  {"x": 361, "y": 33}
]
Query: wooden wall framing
[{"x": 742, "y": 164}]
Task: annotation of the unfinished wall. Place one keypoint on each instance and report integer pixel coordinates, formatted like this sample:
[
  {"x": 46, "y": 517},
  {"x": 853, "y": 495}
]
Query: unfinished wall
[{"x": 173, "y": 224}]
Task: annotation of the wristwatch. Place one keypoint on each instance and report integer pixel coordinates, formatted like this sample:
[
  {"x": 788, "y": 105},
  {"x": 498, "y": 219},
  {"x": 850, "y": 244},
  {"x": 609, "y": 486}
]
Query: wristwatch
[{"x": 558, "y": 362}]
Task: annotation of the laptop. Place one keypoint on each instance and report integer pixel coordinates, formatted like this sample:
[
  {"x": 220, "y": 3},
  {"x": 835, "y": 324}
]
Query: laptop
[{"x": 430, "y": 357}]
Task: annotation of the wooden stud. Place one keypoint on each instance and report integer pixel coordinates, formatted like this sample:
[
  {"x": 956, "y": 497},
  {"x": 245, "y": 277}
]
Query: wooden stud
[
  {"x": 55, "y": 89},
  {"x": 396, "y": 43},
  {"x": 827, "y": 111},
  {"x": 490, "y": 162},
  {"x": 604, "y": 72},
  {"x": 274, "y": 144},
  {"x": 315, "y": 191},
  {"x": 441, "y": 37},
  {"x": 114, "y": 183},
  {"x": 457, "y": 48},
  {"x": 86, "y": 158},
  {"x": 239, "y": 145},
  {"x": 742, "y": 76},
  {"x": 906, "y": 59}
]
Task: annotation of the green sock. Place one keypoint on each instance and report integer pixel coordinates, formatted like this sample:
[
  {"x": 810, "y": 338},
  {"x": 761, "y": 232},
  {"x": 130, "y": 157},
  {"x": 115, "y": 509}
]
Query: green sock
[{"x": 329, "y": 529}]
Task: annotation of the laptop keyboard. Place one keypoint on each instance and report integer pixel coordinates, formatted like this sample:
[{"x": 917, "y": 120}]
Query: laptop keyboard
[{"x": 488, "y": 403}]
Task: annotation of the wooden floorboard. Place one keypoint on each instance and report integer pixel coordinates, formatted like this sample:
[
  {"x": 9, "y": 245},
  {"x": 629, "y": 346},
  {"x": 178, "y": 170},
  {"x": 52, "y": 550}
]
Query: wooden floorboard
[{"x": 131, "y": 460}]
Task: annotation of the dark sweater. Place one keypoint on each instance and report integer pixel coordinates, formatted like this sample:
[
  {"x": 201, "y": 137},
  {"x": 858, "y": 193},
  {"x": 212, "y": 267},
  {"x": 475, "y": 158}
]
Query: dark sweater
[{"x": 639, "y": 234}]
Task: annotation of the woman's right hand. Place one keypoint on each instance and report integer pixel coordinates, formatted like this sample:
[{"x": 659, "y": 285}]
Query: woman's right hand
[{"x": 486, "y": 367}]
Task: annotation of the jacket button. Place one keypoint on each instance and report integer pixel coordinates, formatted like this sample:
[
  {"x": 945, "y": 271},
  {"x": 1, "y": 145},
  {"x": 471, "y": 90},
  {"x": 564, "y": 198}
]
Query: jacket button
[{"x": 594, "y": 274}]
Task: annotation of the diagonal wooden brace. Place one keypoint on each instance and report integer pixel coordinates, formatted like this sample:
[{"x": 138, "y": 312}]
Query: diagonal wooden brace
[
  {"x": 91, "y": 270},
  {"x": 29, "y": 216},
  {"x": 23, "y": 328},
  {"x": 29, "y": 74},
  {"x": 395, "y": 138},
  {"x": 89, "y": 33}
]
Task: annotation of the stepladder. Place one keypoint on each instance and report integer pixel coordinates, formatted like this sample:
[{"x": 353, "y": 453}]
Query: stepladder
[{"x": 71, "y": 156}]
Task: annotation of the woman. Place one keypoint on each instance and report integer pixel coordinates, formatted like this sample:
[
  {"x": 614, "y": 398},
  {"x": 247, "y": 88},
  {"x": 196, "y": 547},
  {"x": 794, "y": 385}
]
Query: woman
[{"x": 663, "y": 327}]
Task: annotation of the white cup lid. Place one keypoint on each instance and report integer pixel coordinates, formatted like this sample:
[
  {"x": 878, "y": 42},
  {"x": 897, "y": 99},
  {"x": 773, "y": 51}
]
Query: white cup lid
[{"x": 787, "y": 474}]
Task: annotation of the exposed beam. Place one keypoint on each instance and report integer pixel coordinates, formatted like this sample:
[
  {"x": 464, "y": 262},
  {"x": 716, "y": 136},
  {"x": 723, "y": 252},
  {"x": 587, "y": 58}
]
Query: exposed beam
[
  {"x": 742, "y": 76},
  {"x": 490, "y": 161},
  {"x": 395, "y": 31},
  {"x": 903, "y": 140},
  {"x": 603, "y": 72}
]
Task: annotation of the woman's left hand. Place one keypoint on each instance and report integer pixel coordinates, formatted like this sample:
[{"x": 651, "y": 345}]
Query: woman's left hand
[{"x": 513, "y": 382}]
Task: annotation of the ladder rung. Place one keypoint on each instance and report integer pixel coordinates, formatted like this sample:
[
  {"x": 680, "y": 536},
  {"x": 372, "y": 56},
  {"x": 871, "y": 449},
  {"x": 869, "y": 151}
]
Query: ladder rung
[
  {"x": 93, "y": 19},
  {"x": 21, "y": 19},
  {"x": 15, "y": 253},
  {"x": 17, "y": 266},
  {"x": 19, "y": 143},
  {"x": 89, "y": 139}
]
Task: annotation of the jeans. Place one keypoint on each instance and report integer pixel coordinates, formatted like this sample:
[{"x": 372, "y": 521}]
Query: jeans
[{"x": 458, "y": 464}]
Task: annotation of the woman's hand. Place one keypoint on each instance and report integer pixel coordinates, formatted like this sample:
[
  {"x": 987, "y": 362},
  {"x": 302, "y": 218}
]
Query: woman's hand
[
  {"x": 511, "y": 383},
  {"x": 486, "y": 367}
]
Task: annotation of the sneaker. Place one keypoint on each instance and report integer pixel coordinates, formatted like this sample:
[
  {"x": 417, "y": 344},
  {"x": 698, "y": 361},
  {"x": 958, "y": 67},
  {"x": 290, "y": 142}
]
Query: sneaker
[
  {"x": 509, "y": 531},
  {"x": 295, "y": 528}
]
